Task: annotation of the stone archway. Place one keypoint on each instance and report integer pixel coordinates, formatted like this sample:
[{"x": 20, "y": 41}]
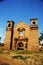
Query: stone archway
[
  {"x": 21, "y": 43},
  {"x": 20, "y": 46}
]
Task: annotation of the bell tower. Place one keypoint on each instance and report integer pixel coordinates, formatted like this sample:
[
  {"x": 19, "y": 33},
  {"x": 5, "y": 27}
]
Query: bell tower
[
  {"x": 34, "y": 34},
  {"x": 34, "y": 21},
  {"x": 9, "y": 35}
]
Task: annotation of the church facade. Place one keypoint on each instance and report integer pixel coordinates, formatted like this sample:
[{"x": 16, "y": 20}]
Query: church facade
[{"x": 22, "y": 36}]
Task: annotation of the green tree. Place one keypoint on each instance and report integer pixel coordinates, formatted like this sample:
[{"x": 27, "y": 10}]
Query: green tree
[
  {"x": 0, "y": 38},
  {"x": 41, "y": 36}
]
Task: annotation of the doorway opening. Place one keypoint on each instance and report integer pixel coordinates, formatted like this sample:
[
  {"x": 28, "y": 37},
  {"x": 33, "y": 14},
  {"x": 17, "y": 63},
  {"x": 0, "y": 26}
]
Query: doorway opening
[{"x": 20, "y": 46}]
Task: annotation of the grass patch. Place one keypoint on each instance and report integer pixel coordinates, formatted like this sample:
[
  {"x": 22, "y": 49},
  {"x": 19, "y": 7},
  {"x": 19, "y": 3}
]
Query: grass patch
[
  {"x": 36, "y": 54},
  {"x": 42, "y": 62},
  {"x": 28, "y": 57},
  {"x": 7, "y": 52},
  {"x": 19, "y": 57},
  {"x": 23, "y": 52},
  {"x": 1, "y": 52},
  {"x": 11, "y": 51}
]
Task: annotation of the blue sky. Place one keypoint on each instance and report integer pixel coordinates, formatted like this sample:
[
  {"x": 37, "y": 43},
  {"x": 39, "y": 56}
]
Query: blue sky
[{"x": 18, "y": 10}]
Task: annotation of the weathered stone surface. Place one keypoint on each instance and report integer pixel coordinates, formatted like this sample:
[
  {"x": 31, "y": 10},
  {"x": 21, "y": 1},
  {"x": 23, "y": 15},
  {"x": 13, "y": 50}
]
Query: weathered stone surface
[{"x": 22, "y": 36}]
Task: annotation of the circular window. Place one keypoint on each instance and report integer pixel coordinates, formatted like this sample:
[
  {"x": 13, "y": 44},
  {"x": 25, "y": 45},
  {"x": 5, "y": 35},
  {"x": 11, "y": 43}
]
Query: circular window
[{"x": 33, "y": 22}]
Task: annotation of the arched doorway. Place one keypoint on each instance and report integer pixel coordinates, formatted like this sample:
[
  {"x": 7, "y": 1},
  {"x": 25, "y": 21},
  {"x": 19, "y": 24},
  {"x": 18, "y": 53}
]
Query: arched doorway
[{"x": 20, "y": 46}]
